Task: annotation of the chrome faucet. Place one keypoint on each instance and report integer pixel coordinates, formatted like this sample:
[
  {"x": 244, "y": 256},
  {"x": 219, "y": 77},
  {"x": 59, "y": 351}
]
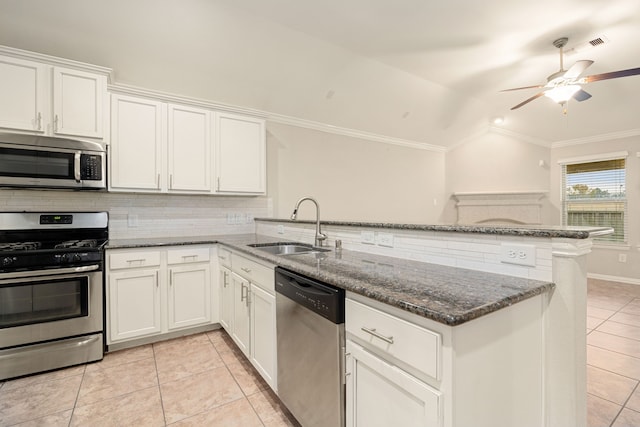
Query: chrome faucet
[{"x": 320, "y": 237}]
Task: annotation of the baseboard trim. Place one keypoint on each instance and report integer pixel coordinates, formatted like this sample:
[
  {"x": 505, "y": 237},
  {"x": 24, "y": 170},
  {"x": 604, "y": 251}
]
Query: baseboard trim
[{"x": 621, "y": 279}]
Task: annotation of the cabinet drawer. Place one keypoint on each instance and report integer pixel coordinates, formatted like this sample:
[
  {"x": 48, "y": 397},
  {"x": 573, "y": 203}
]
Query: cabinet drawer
[
  {"x": 224, "y": 256},
  {"x": 187, "y": 255},
  {"x": 256, "y": 273},
  {"x": 118, "y": 260},
  {"x": 414, "y": 345}
]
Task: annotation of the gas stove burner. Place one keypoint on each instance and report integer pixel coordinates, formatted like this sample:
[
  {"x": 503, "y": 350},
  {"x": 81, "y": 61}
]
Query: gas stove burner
[
  {"x": 71, "y": 244},
  {"x": 20, "y": 246}
]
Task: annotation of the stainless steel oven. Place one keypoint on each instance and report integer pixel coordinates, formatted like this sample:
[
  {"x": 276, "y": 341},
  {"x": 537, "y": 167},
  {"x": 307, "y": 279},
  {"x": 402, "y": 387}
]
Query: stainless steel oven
[{"x": 51, "y": 290}]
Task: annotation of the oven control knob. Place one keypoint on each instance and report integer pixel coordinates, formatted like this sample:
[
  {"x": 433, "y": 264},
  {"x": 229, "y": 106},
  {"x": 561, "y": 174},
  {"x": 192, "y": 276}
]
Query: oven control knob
[
  {"x": 76, "y": 257},
  {"x": 7, "y": 261},
  {"x": 63, "y": 258}
]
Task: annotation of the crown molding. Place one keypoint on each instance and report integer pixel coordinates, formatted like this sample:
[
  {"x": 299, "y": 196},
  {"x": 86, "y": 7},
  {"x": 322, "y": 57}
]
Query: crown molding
[
  {"x": 597, "y": 138},
  {"x": 354, "y": 133},
  {"x": 55, "y": 61}
]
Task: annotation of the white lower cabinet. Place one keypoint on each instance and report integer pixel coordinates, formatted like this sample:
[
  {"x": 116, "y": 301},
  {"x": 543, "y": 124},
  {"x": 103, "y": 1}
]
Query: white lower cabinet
[
  {"x": 154, "y": 292},
  {"x": 380, "y": 395},
  {"x": 248, "y": 310},
  {"x": 134, "y": 304}
]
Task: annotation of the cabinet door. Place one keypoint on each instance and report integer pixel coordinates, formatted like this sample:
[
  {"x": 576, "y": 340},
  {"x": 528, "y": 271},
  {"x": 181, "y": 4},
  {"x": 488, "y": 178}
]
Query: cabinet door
[
  {"x": 240, "y": 159},
  {"x": 226, "y": 300},
  {"x": 381, "y": 395},
  {"x": 22, "y": 94},
  {"x": 78, "y": 103},
  {"x": 189, "y": 299},
  {"x": 189, "y": 142},
  {"x": 136, "y": 144},
  {"x": 134, "y": 304},
  {"x": 241, "y": 313},
  {"x": 263, "y": 334}
]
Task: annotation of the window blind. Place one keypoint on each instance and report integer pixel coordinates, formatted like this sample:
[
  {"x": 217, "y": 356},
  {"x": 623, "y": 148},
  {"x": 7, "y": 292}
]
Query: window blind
[{"x": 594, "y": 194}]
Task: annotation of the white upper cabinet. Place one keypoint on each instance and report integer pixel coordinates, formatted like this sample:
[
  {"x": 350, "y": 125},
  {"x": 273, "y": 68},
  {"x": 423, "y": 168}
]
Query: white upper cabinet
[
  {"x": 240, "y": 154},
  {"x": 137, "y": 141},
  {"x": 22, "y": 94},
  {"x": 52, "y": 100},
  {"x": 78, "y": 101},
  {"x": 189, "y": 142}
]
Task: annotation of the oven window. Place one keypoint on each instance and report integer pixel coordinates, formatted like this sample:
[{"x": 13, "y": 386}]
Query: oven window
[
  {"x": 39, "y": 302},
  {"x": 35, "y": 164}
]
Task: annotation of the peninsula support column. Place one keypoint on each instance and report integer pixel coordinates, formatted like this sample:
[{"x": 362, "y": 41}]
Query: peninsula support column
[{"x": 566, "y": 352}]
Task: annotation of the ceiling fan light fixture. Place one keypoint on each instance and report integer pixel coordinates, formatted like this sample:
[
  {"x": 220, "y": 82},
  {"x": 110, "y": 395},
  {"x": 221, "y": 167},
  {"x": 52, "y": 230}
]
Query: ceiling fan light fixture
[{"x": 562, "y": 94}]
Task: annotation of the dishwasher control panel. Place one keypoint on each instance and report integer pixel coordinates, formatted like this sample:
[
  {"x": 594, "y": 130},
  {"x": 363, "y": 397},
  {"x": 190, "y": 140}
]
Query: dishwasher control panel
[{"x": 320, "y": 298}]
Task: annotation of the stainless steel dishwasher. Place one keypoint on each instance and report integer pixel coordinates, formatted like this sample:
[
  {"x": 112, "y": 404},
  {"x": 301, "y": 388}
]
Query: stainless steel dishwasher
[{"x": 310, "y": 336}]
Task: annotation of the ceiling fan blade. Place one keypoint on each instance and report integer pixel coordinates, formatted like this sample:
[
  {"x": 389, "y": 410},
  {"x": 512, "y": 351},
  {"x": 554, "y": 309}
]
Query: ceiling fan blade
[
  {"x": 581, "y": 95},
  {"x": 612, "y": 75},
  {"x": 536, "y": 96},
  {"x": 524, "y": 87},
  {"x": 577, "y": 69}
]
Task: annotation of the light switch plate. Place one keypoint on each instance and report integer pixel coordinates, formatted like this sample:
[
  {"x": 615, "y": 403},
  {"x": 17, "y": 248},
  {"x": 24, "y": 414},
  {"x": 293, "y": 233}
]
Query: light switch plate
[
  {"x": 368, "y": 237},
  {"x": 385, "y": 239}
]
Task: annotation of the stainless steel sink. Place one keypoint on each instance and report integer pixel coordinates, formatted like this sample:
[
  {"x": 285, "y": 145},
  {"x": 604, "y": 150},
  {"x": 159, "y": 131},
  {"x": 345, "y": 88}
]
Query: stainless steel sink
[{"x": 288, "y": 248}]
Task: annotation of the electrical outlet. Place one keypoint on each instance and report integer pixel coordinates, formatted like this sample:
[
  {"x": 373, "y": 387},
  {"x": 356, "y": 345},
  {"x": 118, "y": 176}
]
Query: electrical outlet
[
  {"x": 622, "y": 257},
  {"x": 230, "y": 218},
  {"x": 385, "y": 239},
  {"x": 248, "y": 218},
  {"x": 132, "y": 220},
  {"x": 513, "y": 253},
  {"x": 280, "y": 229},
  {"x": 239, "y": 219},
  {"x": 368, "y": 237}
]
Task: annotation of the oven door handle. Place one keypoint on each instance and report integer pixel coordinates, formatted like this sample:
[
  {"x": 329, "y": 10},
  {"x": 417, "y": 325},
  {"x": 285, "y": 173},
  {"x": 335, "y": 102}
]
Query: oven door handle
[{"x": 51, "y": 272}]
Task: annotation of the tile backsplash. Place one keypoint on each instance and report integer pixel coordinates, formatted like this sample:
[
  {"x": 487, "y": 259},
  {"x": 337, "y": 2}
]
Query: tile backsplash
[{"x": 133, "y": 215}]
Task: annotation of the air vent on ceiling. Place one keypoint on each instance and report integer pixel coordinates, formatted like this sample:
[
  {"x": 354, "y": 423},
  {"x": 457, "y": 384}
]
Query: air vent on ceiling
[{"x": 582, "y": 47}]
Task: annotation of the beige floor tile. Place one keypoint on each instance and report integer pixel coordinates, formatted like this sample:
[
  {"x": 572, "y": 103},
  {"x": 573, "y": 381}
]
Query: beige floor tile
[
  {"x": 38, "y": 400},
  {"x": 182, "y": 343},
  {"x": 122, "y": 379},
  {"x": 59, "y": 419},
  {"x": 618, "y": 363},
  {"x": 269, "y": 408},
  {"x": 600, "y": 412},
  {"x": 627, "y": 318},
  {"x": 40, "y": 378},
  {"x": 238, "y": 413},
  {"x": 620, "y": 329},
  {"x": 633, "y": 307},
  {"x": 216, "y": 336},
  {"x": 608, "y": 302},
  {"x": 593, "y": 322},
  {"x": 173, "y": 365},
  {"x": 634, "y": 400},
  {"x": 121, "y": 357},
  {"x": 247, "y": 377},
  {"x": 609, "y": 386},
  {"x": 198, "y": 393},
  {"x": 627, "y": 418},
  {"x": 599, "y": 313},
  {"x": 615, "y": 343},
  {"x": 139, "y": 408}
]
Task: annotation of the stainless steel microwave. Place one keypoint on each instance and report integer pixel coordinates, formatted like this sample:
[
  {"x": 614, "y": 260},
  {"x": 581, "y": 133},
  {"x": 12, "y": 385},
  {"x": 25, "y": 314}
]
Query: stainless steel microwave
[{"x": 32, "y": 161}]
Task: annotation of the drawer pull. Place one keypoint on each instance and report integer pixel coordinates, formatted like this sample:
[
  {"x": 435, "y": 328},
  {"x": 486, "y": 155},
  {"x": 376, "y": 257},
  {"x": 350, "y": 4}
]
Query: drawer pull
[
  {"x": 136, "y": 260},
  {"x": 378, "y": 335},
  {"x": 246, "y": 270},
  {"x": 192, "y": 257}
]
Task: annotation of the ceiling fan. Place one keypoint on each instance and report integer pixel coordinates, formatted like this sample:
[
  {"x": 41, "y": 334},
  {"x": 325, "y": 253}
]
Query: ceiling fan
[{"x": 566, "y": 84}]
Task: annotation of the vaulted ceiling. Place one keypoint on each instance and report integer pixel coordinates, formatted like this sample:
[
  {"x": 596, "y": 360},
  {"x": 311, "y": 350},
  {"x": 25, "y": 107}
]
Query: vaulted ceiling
[{"x": 423, "y": 71}]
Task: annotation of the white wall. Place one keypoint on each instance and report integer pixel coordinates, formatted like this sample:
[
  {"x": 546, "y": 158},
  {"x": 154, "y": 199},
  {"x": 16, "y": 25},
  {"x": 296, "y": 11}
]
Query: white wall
[
  {"x": 603, "y": 261},
  {"x": 352, "y": 179},
  {"x": 496, "y": 162}
]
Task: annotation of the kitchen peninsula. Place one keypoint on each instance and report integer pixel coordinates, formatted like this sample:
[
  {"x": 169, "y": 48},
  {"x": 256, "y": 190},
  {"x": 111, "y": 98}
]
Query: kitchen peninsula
[{"x": 508, "y": 333}]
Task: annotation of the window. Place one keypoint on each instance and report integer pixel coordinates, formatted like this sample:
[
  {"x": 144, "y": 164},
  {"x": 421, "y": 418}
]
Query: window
[{"x": 595, "y": 195}]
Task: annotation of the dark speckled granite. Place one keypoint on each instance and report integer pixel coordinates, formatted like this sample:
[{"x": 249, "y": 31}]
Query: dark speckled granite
[
  {"x": 445, "y": 294},
  {"x": 569, "y": 232}
]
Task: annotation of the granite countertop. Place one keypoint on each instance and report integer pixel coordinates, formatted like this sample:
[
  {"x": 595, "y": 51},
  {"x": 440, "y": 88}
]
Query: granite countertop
[
  {"x": 445, "y": 294},
  {"x": 559, "y": 231}
]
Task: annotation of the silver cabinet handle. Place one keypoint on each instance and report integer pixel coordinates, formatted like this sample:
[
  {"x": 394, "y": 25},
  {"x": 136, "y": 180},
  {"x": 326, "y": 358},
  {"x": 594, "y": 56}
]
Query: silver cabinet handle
[
  {"x": 378, "y": 335},
  {"x": 39, "y": 121},
  {"x": 158, "y": 185},
  {"x": 170, "y": 181},
  {"x": 157, "y": 280},
  {"x": 136, "y": 260},
  {"x": 242, "y": 297},
  {"x": 55, "y": 123},
  {"x": 246, "y": 270},
  {"x": 224, "y": 279},
  {"x": 192, "y": 257}
]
